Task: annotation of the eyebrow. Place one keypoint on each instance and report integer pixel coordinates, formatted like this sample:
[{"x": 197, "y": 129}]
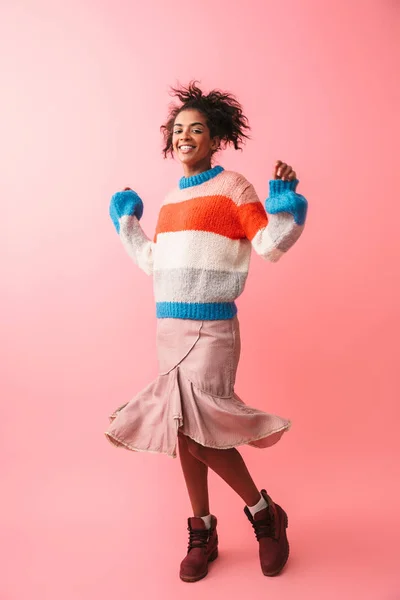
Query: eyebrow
[{"x": 191, "y": 124}]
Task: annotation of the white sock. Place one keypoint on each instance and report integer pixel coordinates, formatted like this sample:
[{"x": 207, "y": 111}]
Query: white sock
[
  {"x": 257, "y": 507},
  {"x": 207, "y": 521}
]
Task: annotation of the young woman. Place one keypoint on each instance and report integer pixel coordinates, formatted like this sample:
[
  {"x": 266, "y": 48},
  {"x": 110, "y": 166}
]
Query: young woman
[{"x": 199, "y": 260}]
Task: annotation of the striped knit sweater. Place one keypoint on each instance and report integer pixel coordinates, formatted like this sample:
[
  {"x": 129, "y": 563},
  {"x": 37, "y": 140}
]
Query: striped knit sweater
[{"x": 206, "y": 229}]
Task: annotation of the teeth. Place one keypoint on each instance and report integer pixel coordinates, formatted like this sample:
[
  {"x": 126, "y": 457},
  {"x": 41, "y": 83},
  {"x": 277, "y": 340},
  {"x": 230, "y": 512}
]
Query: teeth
[{"x": 186, "y": 147}]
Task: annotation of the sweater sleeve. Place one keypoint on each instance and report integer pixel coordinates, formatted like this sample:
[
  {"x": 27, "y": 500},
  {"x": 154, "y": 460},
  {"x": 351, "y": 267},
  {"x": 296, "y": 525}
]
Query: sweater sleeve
[
  {"x": 126, "y": 209},
  {"x": 273, "y": 230}
]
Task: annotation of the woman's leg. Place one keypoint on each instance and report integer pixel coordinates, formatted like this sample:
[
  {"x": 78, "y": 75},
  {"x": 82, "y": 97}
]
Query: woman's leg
[
  {"x": 228, "y": 464},
  {"x": 196, "y": 478},
  {"x": 270, "y": 522}
]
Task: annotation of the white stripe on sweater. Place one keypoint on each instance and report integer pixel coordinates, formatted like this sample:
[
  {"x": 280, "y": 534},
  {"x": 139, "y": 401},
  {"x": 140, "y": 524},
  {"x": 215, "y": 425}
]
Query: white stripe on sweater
[{"x": 201, "y": 250}]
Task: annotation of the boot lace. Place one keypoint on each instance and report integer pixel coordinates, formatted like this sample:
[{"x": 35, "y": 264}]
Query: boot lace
[
  {"x": 264, "y": 528},
  {"x": 198, "y": 538}
]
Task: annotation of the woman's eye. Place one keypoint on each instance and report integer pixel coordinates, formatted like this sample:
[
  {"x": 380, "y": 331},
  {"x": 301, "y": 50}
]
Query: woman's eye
[{"x": 197, "y": 131}]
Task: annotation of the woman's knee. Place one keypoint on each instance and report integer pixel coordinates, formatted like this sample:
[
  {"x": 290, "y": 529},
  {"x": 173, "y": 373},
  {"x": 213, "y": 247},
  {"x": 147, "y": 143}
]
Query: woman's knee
[
  {"x": 182, "y": 440},
  {"x": 196, "y": 450}
]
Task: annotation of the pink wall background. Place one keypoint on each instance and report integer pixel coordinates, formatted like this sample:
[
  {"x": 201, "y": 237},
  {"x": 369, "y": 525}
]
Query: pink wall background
[{"x": 83, "y": 93}]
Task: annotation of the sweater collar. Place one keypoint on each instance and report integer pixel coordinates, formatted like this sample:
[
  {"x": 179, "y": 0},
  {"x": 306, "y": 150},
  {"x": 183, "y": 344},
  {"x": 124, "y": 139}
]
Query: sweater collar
[{"x": 186, "y": 182}]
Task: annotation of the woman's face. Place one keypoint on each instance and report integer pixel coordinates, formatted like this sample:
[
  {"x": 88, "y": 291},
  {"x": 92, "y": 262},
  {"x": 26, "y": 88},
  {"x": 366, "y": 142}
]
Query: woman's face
[{"x": 191, "y": 141}]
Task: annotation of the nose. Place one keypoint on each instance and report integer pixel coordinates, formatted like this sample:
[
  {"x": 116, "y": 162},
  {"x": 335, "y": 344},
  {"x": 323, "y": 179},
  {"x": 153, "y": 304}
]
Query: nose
[{"x": 185, "y": 135}]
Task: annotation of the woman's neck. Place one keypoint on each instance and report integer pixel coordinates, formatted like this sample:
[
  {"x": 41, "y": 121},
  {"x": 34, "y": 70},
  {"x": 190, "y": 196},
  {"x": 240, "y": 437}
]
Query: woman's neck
[{"x": 191, "y": 170}]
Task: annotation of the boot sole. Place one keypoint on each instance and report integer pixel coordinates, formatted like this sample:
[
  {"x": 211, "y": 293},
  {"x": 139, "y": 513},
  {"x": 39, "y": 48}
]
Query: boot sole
[
  {"x": 213, "y": 556},
  {"x": 275, "y": 573}
]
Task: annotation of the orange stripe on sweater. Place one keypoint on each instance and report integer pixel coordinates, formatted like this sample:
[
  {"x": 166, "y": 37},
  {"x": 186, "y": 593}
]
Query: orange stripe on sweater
[
  {"x": 252, "y": 217},
  {"x": 215, "y": 214}
]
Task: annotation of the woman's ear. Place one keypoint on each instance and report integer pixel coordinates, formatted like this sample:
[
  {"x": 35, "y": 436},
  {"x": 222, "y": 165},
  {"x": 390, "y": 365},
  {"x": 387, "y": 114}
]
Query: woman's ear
[{"x": 215, "y": 144}]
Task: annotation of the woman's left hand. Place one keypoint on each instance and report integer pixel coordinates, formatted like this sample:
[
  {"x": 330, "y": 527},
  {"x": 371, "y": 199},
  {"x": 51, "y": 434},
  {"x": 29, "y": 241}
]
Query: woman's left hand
[{"x": 284, "y": 171}]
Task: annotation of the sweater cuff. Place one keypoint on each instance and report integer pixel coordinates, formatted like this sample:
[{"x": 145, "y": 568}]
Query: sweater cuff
[
  {"x": 123, "y": 204},
  {"x": 286, "y": 200},
  {"x": 277, "y": 186}
]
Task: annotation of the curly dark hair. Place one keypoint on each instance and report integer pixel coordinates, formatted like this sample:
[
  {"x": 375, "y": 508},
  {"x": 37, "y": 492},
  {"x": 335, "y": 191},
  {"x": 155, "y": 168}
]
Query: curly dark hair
[{"x": 224, "y": 114}]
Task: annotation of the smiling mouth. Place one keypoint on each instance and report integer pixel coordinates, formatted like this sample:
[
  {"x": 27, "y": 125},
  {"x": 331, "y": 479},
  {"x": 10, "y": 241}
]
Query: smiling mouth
[{"x": 186, "y": 148}]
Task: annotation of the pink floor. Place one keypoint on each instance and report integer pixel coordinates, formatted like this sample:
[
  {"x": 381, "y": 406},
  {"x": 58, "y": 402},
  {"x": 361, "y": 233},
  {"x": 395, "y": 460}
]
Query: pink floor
[{"x": 82, "y": 535}]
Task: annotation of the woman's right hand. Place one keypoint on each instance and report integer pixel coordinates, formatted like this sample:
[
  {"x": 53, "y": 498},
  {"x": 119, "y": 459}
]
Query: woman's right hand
[{"x": 125, "y": 203}]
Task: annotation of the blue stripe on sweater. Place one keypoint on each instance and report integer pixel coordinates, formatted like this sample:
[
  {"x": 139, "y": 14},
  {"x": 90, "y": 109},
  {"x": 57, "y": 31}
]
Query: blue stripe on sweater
[
  {"x": 186, "y": 182},
  {"x": 215, "y": 311}
]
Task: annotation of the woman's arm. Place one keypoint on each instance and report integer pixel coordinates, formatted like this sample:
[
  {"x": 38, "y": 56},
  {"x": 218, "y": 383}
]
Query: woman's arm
[
  {"x": 275, "y": 230},
  {"x": 126, "y": 209}
]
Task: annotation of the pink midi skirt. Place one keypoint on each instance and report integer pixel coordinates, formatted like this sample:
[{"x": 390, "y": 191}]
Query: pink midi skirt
[{"x": 194, "y": 394}]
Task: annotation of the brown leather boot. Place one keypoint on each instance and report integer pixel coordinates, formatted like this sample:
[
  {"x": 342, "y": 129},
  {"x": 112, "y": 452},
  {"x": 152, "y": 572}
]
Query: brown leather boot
[
  {"x": 202, "y": 549},
  {"x": 270, "y": 528}
]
